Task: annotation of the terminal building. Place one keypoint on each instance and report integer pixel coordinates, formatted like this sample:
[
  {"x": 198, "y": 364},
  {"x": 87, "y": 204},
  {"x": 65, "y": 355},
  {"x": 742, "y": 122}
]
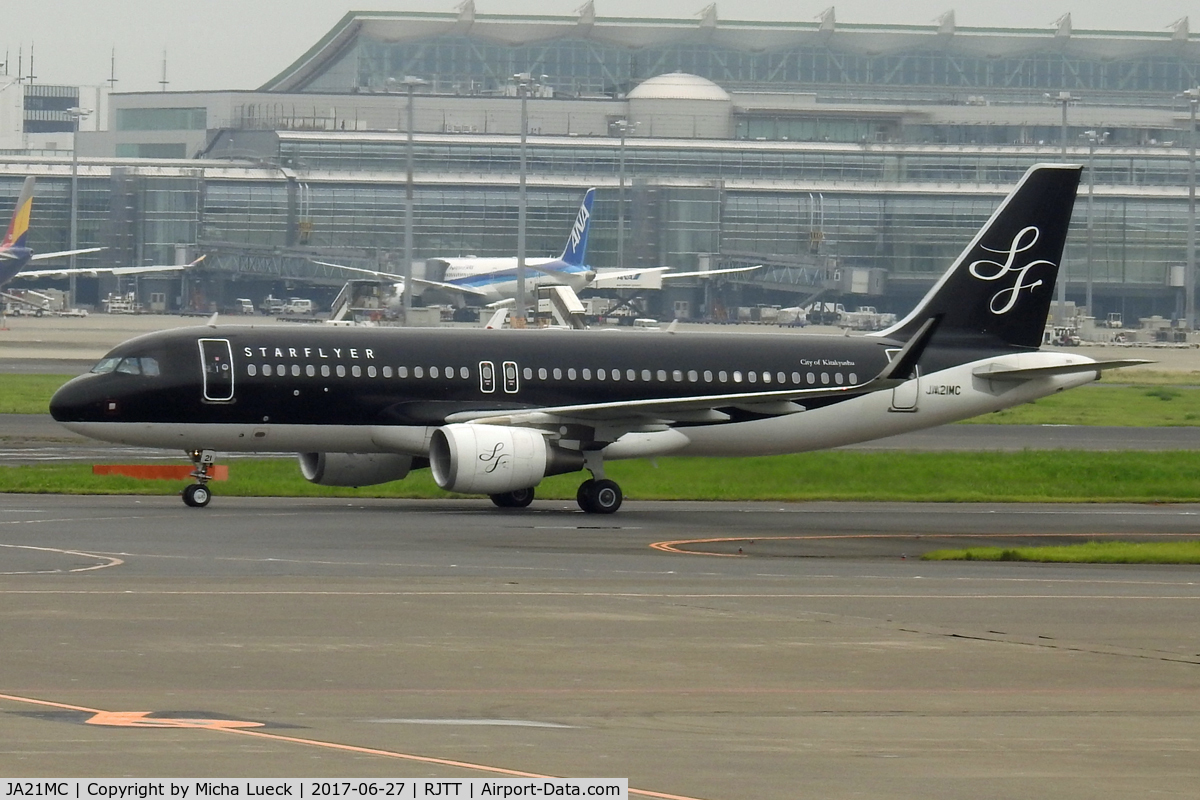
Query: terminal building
[{"x": 853, "y": 160}]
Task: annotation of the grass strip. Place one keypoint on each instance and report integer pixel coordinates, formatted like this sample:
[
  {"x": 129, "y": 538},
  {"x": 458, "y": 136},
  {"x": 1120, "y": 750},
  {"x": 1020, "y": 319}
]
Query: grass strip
[
  {"x": 1086, "y": 553},
  {"x": 1028, "y": 476},
  {"x": 1137, "y": 406}
]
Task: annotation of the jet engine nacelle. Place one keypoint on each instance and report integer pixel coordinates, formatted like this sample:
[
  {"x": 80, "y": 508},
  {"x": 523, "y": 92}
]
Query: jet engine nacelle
[
  {"x": 354, "y": 469},
  {"x": 491, "y": 459}
]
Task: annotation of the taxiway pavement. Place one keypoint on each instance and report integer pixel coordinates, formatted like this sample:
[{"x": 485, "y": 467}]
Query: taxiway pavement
[{"x": 371, "y": 638}]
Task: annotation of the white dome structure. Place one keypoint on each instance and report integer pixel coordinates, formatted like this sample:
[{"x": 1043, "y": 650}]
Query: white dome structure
[
  {"x": 679, "y": 86},
  {"x": 682, "y": 106}
]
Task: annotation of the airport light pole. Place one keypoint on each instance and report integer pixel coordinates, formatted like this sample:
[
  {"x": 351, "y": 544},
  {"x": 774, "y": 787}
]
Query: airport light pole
[
  {"x": 524, "y": 81},
  {"x": 1093, "y": 138},
  {"x": 623, "y": 125},
  {"x": 406, "y": 296},
  {"x": 1064, "y": 99},
  {"x": 1189, "y": 279},
  {"x": 76, "y": 114}
]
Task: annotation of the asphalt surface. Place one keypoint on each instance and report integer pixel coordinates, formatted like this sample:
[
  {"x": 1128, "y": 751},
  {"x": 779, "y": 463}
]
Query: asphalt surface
[{"x": 405, "y": 639}]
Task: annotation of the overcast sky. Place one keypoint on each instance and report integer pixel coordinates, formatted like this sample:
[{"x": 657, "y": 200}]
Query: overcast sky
[{"x": 241, "y": 44}]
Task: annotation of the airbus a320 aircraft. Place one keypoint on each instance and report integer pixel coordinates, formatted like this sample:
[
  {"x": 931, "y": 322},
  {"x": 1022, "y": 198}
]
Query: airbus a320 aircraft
[
  {"x": 494, "y": 412},
  {"x": 493, "y": 280},
  {"x": 15, "y": 253}
]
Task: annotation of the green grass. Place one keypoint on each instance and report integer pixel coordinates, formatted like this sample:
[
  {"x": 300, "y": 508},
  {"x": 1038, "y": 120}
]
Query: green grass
[
  {"x": 1136, "y": 406},
  {"x": 28, "y": 394},
  {"x": 1088, "y": 553},
  {"x": 1030, "y": 476}
]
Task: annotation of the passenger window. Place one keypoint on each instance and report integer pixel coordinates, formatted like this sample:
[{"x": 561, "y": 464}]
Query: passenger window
[
  {"x": 693, "y": 376},
  {"x": 837, "y": 378},
  {"x": 528, "y": 373},
  {"x": 433, "y": 372},
  {"x": 251, "y": 370},
  {"x": 766, "y": 377},
  {"x": 418, "y": 372},
  {"x": 599, "y": 374},
  {"x": 541, "y": 373},
  {"x": 449, "y": 372},
  {"x": 370, "y": 372},
  {"x": 401, "y": 372},
  {"x": 723, "y": 376},
  {"x": 464, "y": 373},
  {"x": 281, "y": 370},
  {"x": 752, "y": 376},
  {"x": 661, "y": 375},
  {"x": 781, "y": 378},
  {"x": 356, "y": 371},
  {"x": 387, "y": 372},
  {"x": 737, "y": 376},
  {"x": 266, "y": 370},
  {"x": 310, "y": 370},
  {"x": 795, "y": 377},
  {"x": 812, "y": 378},
  {"x": 324, "y": 370},
  {"x": 708, "y": 376},
  {"x": 571, "y": 373},
  {"x": 557, "y": 374},
  {"x": 853, "y": 378},
  {"x": 825, "y": 377},
  {"x": 487, "y": 377},
  {"x": 631, "y": 374},
  {"x": 341, "y": 371},
  {"x": 296, "y": 370},
  {"x": 511, "y": 385}
]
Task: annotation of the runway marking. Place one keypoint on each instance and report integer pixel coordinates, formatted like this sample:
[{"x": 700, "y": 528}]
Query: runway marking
[
  {"x": 109, "y": 561},
  {"x": 235, "y": 727},
  {"x": 674, "y": 545}
]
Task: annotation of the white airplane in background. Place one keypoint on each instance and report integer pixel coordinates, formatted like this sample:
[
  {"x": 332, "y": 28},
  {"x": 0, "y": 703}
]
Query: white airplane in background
[
  {"x": 15, "y": 253},
  {"x": 493, "y": 280}
]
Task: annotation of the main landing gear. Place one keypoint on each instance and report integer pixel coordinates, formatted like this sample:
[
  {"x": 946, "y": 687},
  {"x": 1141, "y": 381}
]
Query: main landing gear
[
  {"x": 598, "y": 495},
  {"x": 517, "y": 498},
  {"x": 197, "y": 495}
]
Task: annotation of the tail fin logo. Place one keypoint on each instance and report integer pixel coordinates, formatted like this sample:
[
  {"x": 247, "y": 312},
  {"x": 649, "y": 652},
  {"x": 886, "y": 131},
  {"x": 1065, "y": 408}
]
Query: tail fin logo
[
  {"x": 580, "y": 225},
  {"x": 1005, "y": 300}
]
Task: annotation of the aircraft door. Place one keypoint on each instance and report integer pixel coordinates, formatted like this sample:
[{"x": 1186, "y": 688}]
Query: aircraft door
[
  {"x": 216, "y": 359},
  {"x": 904, "y": 396}
]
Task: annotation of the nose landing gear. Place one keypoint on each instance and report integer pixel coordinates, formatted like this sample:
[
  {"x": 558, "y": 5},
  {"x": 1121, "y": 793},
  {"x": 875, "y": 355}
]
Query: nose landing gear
[{"x": 197, "y": 495}]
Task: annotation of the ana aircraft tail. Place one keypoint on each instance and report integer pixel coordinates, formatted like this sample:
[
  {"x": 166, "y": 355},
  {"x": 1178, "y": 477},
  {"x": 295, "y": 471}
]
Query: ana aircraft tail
[
  {"x": 1001, "y": 286},
  {"x": 576, "y": 250},
  {"x": 18, "y": 228}
]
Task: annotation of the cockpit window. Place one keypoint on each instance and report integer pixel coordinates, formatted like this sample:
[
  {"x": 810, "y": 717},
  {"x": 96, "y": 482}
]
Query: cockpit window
[
  {"x": 128, "y": 366},
  {"x": 106, "y": 365}
]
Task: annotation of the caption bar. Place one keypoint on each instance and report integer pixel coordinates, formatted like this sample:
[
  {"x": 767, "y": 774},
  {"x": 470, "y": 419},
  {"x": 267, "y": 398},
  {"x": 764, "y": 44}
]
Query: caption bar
[{"x": 198, "y": 789}]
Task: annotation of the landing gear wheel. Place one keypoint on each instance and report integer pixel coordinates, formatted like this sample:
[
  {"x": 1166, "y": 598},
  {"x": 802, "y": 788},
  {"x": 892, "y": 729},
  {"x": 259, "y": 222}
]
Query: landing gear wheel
[
  {"x": 196, "y": 495},
  {"x": 599, "y": 496},
  {"x": 517, "y": 498}
]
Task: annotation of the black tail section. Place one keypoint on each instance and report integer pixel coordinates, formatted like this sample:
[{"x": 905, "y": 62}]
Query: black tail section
[{"x": 1001, "y": 286}]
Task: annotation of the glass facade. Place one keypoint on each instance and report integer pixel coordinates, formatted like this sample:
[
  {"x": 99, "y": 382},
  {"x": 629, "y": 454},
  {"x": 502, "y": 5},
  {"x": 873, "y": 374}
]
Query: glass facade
[
  {"x": 919, "y": 67},
  {"x": 161, "y": 119}
]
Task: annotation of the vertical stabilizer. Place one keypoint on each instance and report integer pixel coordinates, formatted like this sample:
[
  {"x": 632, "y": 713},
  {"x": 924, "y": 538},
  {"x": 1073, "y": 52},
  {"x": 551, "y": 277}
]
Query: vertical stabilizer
[
  {"x": 576, "y": 250},
  {"x": 1001, "y": 286},
  {"x": 18, "y": 227}
]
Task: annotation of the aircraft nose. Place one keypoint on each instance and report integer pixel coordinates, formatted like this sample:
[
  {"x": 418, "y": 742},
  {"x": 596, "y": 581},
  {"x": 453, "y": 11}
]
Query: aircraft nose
[{"x": 75, "y": 401}]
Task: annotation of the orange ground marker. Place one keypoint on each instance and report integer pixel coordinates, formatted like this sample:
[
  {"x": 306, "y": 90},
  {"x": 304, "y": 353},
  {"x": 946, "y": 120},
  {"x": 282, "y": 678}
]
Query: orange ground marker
[{"x": 158, "y": 472}]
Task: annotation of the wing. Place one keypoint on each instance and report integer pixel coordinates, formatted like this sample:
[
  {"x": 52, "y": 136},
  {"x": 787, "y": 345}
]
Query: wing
[
  {"x": 62, "y": 273},
  {"x": 65, "y": 253},
  {"x": 399, "y": 281},
  {"x": 629, "y": 415}
]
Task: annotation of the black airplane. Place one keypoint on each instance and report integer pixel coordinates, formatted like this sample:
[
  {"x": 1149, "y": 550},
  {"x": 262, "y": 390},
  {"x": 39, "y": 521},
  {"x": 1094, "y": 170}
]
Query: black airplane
[{"x": 494, "y": 412}]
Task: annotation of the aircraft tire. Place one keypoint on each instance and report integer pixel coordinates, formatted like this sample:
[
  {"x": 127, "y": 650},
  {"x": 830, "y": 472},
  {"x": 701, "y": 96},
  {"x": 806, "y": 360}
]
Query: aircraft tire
[
  {"x": 603, "y": 497},
  {"x": 581, "y": 496},
  {"x": 196, "y": 496},
  {"x": 518, "y": 498}
]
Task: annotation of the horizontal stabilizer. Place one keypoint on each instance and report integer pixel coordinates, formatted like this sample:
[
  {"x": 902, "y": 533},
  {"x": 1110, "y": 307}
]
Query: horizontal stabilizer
[{"x": 1001, "y": 373}]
